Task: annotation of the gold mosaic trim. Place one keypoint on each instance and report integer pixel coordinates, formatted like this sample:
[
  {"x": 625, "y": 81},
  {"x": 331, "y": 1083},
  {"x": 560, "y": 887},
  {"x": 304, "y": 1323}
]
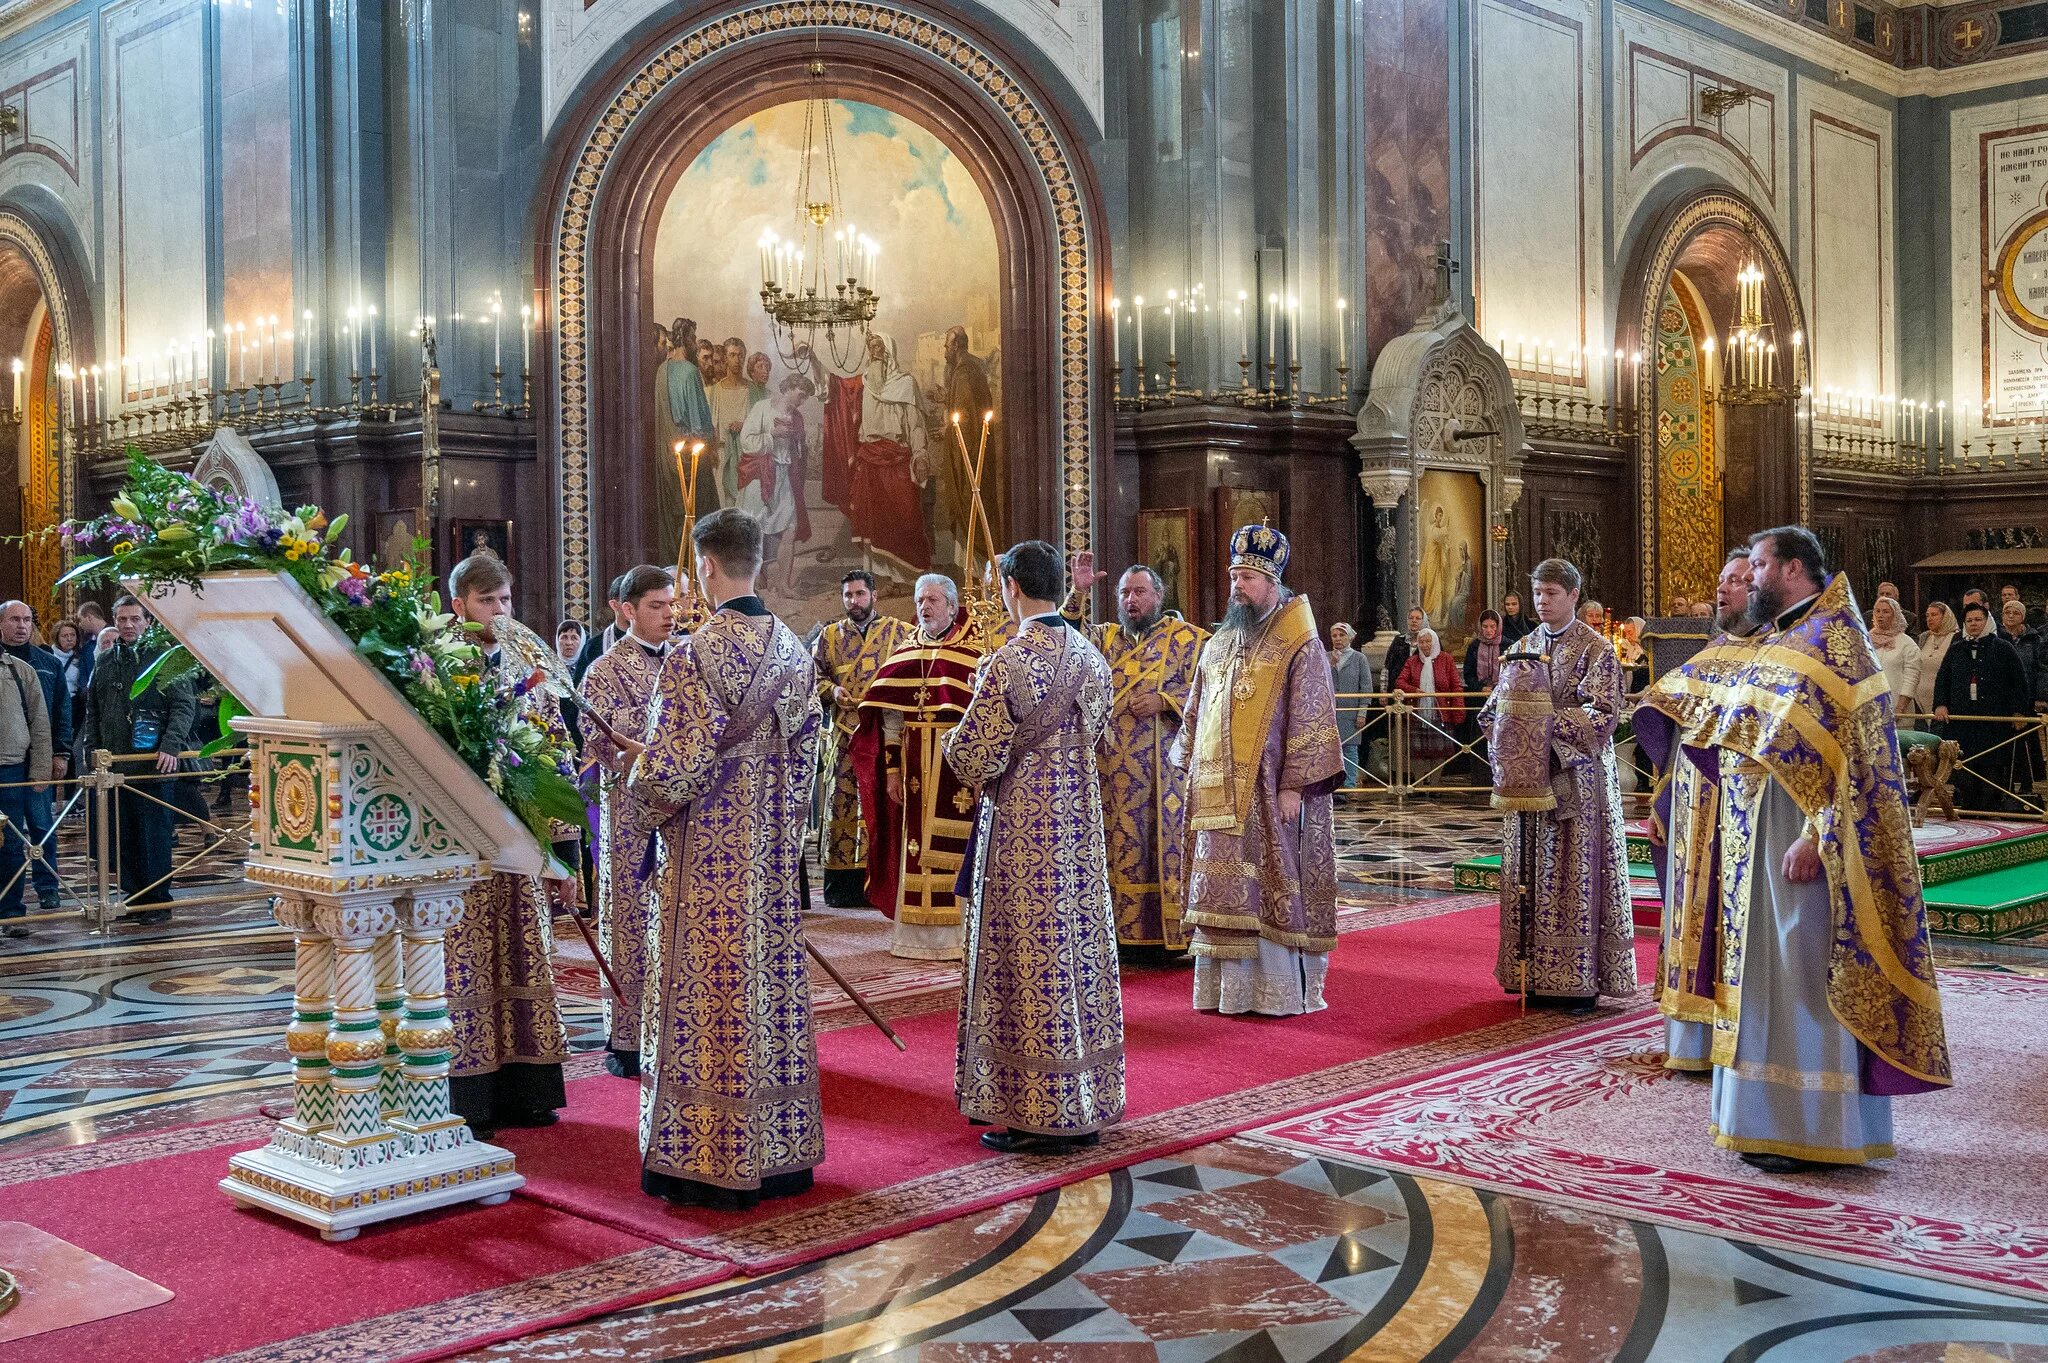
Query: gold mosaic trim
[
  {"x": 368, "y": 1197},
  {"x": 641, "y": 90}
]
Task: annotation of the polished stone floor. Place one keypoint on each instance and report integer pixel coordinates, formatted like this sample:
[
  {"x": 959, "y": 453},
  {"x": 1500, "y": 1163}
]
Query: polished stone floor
[{"x": 1232, "y": 1251}]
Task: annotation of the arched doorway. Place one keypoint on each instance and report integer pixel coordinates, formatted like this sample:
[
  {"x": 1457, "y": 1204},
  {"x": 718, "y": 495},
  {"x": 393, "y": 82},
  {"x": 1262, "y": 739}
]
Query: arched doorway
[
  {"x": 1709, "y": 472},
  {"x": 626, "y": 146},
  {"x": 38, "y": 305}
]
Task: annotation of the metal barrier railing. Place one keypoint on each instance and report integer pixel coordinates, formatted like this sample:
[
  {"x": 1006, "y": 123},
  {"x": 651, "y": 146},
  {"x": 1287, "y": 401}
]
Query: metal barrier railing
[
  {"x": 1405, "y": 747},
  {"x": 81, "y": 849}
]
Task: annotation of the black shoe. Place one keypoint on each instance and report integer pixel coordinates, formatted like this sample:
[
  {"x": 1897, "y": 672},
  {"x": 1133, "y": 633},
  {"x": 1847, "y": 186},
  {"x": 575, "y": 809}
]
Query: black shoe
[
  {"x": 1012, "y": 1142},
  {"x": 528, "y": 1117},
  {"x": 12, "y": 929},
  {"x": 624, "y": 1064},
  {"x": 976, "y": 1121},
  {"x": 150, "y": 918},
  {"x": 1782, "y": 1164},
  {"x": 47, "y": 902}
]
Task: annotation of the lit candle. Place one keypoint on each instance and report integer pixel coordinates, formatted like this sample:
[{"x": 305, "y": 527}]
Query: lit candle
[
  {"x": 1244, "y": 341},
  {"x": 1940, "y": 417},
  {"x": 1138, "y": 318},
  {"x": 1172, "y": 327},
  {"x": 1293, "y": 332},
  {"x": 276, "y": 375},
  {"x": 355, "y": 354},
  {"x": 1272, "y": 333},
  {"x": 370, "y": 327},
  {"x": 525, "y": 339},
  {"x": 1116, "y": 344},
  {"x": 1343, "y": 361},
  {"x": 16, "y": 367}
]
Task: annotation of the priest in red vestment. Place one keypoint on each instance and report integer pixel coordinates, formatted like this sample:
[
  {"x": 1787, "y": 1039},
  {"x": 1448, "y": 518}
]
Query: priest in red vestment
[{"x": 917, "y": 813}]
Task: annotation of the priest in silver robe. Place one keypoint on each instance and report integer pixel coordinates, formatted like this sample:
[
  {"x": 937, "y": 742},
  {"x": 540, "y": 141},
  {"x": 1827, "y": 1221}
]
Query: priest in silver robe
[
  {"x": 729, "y": 1107},
  {"x": 1826, "y": 1005},
  {"x": 1567, "y": 932},
  {"x": 1041, "y": 1049},
  {"x": 618, "y": 690},
  {"x": 1263, "y": 758}
]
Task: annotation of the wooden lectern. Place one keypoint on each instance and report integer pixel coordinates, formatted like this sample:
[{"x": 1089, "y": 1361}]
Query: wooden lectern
[{"x": 367, "y": 827}]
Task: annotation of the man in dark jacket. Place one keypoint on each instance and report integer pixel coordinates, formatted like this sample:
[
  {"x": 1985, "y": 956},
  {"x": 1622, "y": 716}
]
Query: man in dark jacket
[
  {"x": 17, "y": 637},
  {"x": 1982, "y": 675},
  {"x": 158, "y": 721}
]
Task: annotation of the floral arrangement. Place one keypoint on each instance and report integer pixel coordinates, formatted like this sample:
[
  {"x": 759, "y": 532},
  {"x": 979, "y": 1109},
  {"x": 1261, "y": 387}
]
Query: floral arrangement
[{"x": 166, "y": 528}]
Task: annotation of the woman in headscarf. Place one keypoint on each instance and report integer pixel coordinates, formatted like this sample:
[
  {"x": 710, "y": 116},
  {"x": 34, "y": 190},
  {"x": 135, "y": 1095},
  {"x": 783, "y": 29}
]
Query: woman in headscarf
[
  {"x": 1896, "y": 653},
  {"x": 1941, "y": 632},
  {"x": 1432, "y": 678}
]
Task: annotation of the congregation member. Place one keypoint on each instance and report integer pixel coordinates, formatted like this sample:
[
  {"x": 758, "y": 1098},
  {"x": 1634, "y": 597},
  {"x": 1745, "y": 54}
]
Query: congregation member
[
  {"x": 1825, "y": 1002},
  {"x": 730, "y": 1111},
  {"x": 916, "y": 811},
  {"x": 1896, "y": 653},
  {"x": 1513, "y": 624},
  {"x": 26, "y": 751},
  {"x": 601, "y": 641},
  {"x": 848, "y": 652},
  {"x": 1263, "y": 756},
  {"x": 569, "y": 640},
  {"x": 1432, "y": 679},
  {"x": 1689, "y": 812},
  {"x": 1151, "y": 652},
  {"x": 1888, "y": 590},
  {"x": 1404, "y": 644},
  {"x": 1041, "y": 1043},
  {"x": 1351, "y": 681},
  {"x": 505, "y": 1062},
  {"x": 74, "y": 661},
  {"x": 2032, "y": 646},
  {"x": 1940, "y": 633},
  {"x": 1567, "y": 935},
  {"x": 1479, "y": 671},
  {"x": 619, "y": 688},
  {"x": 1981, "y": 675},
  {"x": 17, "y": 640},
  {"x": 158, "y": 722}
]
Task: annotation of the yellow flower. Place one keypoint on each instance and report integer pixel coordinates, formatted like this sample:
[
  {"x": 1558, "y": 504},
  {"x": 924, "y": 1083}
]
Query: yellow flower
[
  {"x": 174, "y": 532},
  {"x": 123, "y": 546},
  {"x": 125, "y": 509}
]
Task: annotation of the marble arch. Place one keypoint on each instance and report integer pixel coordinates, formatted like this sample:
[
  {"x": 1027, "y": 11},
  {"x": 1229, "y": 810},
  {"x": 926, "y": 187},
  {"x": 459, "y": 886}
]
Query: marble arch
[
  {"x": 623, "y": 146},
  {"x": 1707, "y": 232}
]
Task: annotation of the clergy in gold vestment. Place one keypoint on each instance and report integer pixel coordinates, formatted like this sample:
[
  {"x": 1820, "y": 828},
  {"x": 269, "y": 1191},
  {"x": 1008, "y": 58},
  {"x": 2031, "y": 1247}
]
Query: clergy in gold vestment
[
  {"x": 1824, "y": 1000},
  {"x": 917, "y": 813},
  {"x": 1564, "y": 906},
  {"x": 1151, "y": 654},
  {"x": 1261, "y": 749},
  {"x": 619, "y": 689},
  {"x": 505, "y": 1062},
  {"x": 1041, "y": 1053},
  {"x": 848, "y": 653},
  {"x": 729, "y": 1109}
]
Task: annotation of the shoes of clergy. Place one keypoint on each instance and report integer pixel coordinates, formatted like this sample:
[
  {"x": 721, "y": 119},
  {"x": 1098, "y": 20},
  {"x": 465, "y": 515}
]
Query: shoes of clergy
[
  {"x": 1013, "y": 1142},
  {"x": 1571, "y": 1005},
  {"x": 688, "y": 1192},
  {"x": 624, "y": 1064},
  {"x": 1783, "y": 1164}
]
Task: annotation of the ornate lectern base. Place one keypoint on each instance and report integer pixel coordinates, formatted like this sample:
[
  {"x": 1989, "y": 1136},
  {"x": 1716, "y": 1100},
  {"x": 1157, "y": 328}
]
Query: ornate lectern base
[{"x": 339, "y": 1202}]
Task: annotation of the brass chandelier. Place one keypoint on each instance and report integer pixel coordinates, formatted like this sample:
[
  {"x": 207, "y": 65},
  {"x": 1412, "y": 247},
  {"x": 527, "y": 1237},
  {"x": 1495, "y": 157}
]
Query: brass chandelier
[{"x": 821, "y": 279}]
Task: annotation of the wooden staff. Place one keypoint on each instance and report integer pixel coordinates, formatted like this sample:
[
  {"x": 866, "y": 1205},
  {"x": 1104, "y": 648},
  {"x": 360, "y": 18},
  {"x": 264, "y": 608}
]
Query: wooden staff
[{"x": 854, "y": 994}]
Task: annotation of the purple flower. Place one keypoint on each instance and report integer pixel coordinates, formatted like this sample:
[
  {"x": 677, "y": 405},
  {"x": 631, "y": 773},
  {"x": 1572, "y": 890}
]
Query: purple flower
[{"x": 356, "y": 590}]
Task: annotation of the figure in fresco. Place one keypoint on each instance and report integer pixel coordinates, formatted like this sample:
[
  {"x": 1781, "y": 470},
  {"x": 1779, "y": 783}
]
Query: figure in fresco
[
  {"x": 948, "y": 496},
  {"x": 731, "y": 400},
  {"x": 772, "y": 476},
  {"x": 682, "y": 412},
  {"x": 891, "y": 463},
  {"x": 1439, "y": 572}
]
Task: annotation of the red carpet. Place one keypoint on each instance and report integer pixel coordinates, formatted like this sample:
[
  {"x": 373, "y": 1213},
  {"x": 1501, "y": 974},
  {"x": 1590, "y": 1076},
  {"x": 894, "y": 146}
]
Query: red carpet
[
  {"x": 890, "y": 1118},
  {"x": 245, "y": 1280}
]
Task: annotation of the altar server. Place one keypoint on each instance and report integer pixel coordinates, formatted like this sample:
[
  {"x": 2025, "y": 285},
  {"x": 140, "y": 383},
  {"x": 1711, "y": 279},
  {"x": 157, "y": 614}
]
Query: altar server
[
  {"x": 1041, "y": 1049},
  {"x": 509, "y": 1044},
  {"x": 1567, "y": 933},
  {"x": 620, "y": 690},
  {"x": 1263, "y": 758},
  {"x": 1826, "y": 1006},
  {"x": 729, "y": 1110}
]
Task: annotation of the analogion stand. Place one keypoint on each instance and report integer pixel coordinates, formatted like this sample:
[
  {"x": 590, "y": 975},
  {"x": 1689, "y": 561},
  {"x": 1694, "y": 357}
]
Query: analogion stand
[{"x": 367, "y": 828}]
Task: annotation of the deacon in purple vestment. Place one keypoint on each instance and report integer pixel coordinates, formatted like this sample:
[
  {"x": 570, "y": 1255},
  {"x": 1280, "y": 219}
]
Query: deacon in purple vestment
[
  {"x": 729, "y": 1109},
  {"x": 1263, "y": 758},
  {"x": 1041, "y": 1051}
]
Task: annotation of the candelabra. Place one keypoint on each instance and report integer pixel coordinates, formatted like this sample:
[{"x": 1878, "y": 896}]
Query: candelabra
[{"x": 1273, "y": 396}]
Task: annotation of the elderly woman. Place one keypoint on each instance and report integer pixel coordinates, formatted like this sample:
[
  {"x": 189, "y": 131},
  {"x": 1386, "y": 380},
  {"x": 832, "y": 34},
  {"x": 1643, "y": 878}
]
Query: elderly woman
[
  {"x": 1431, "y": 677},
  {"x": 1941, "y": 632},
  {"x": 1896, "y": 653}
]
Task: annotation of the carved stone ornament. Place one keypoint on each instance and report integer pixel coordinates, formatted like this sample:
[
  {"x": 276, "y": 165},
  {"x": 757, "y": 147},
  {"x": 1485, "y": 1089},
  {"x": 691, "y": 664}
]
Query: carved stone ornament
[{"x": 229, "y": 464}]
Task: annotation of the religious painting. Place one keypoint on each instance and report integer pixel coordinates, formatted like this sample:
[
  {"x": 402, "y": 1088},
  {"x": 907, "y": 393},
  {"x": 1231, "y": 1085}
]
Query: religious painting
[
  {"x": 392, "y": 534},
  {"x": 1166, "y": 544},
  {"x": 1242, "y": 506},
  {"x": 842, "y": 442},
  {"x": 1450, "y": 575},
  {"x": 479, "y": 537}
]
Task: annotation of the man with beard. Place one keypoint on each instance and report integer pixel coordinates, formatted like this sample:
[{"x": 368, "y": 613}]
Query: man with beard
[
  {"x": 1982, "y": 675},
  {"x": 1151, "y": 653},
  {"x": 731, "y": 400},
  {"x": 949, "y": 493},
  {"x": 916, "y": 810},
  {"x": 1567, "y": 935},
  {"x": 1041, "y": 1053},
  {"x": 1825, "y": 1005},
  {"x": 1263, "y": 757},
  {"x": 729, "y": 1103},
  {"x": 1684, "y": 814},
  {"x": 848, "y": 653}
]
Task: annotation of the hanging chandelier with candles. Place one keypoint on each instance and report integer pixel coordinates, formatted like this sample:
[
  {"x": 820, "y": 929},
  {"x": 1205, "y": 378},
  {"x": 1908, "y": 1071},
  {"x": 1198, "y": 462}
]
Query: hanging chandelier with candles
[
  {"x": 822, "y": 279},
  {"x": 1751, "y": 370}
]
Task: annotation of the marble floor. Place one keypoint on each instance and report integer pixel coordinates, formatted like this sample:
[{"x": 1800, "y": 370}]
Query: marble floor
[{"x": 1232, "y": 1251}]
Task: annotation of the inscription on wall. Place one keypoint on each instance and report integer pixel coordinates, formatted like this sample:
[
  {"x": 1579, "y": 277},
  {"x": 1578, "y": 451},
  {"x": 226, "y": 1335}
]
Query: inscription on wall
[{"x": 2013, "y": 218}]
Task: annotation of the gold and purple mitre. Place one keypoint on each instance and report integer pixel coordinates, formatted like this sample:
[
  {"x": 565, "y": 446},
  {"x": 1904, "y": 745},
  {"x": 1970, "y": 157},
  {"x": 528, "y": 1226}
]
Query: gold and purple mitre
[
  {"x": 1523, "y": 722},
  {"x": 1260, "y": 548}
]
